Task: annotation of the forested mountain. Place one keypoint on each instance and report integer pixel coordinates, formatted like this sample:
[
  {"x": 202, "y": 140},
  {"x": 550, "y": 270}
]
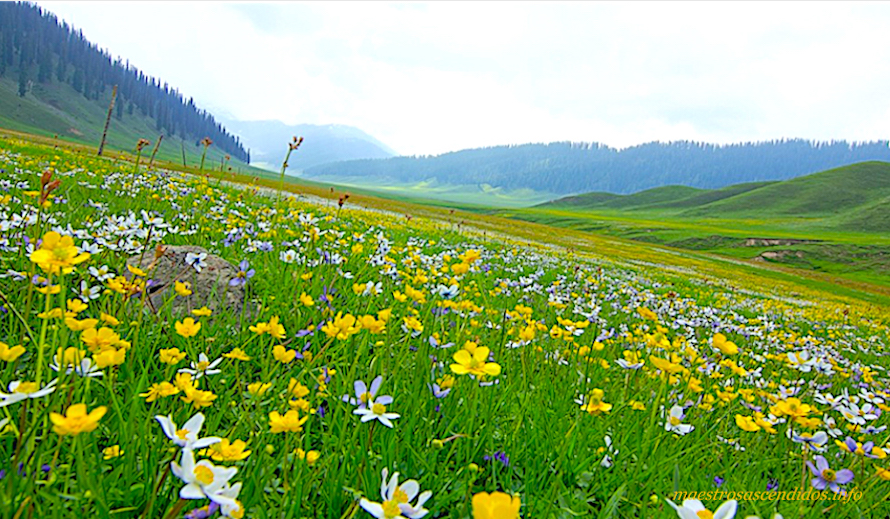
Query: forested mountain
[
  {"x": 565, "y": 167},
  {"x": 268, "y": 141},
  {"x": 37, "y": 49}
]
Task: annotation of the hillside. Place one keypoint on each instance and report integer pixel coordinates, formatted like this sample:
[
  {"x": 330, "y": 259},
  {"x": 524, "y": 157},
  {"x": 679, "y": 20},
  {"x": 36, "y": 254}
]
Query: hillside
[
  {"x": 267, "y": 141},
  {"x": 843, "y": 191},
  {"x": 569, "y": 168},
  {"x": 54, "y": 82}
]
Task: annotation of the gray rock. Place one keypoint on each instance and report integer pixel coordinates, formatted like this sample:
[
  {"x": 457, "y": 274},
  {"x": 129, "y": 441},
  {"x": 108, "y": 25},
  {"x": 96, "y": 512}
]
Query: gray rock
[{"x": 210, "y": 287}]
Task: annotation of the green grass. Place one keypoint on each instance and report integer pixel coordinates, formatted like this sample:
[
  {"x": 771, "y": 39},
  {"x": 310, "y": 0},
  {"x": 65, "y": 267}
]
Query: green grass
[
  {"x": 57, "y": 110},
  {"x": 556, "y": 310}
]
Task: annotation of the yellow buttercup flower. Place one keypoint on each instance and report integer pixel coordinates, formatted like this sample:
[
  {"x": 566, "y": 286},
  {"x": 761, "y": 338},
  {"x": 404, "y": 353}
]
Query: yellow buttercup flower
[
  {"x": 202, "y": 312},
  {"x": 496, "y": 505},
  {"x": 76, "y": 420},
  {"x": 306, "y": 300},
  {"x": 112, "y": 452},
  {"x": 58, "y": 254},
  {"x": 595, "y": 404},
  {"x": 182, "y": 289},
  {"x": 476, "y": 364},
  {"x": 226, "y": 451},
  {"x": 188, "y": 327},
  {"x": 283, "y": 355},
  {"x": 160, "y": 390},
  {"x": 171, "y": 355},
  {"x": 289, "y": 422},
  {"x": 342, "y": 327},
  {"x": 8, "y": 354},
  {"x": 237, "y": 354},
  {"x": 258, "y": 388}
]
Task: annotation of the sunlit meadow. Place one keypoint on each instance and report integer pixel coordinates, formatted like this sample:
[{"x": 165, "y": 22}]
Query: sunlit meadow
[{"x": 394, "y": 366}]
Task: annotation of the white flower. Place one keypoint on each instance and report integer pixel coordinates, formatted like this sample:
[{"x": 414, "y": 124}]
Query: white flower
[
  {"x": 231, "y": 492},
  {"x": 288, "y": 256},
  {"x": 203, "y": 479},
  {"x": 202, "y": 367},
  {"x": 196, "y": 260},
  {"x": 19, "y": 391},
  {"x": 88, "y": 293},
  {"x": 610, "y": 451},
  {"x": 376, "y": 410},
  {"x": 187, "y": 436},
  {"x": 673, "y": 422},
  {"x": 397, "y": 499},
  {"x": 85, "y": 368},
  {"x": 692, "y": 508}
]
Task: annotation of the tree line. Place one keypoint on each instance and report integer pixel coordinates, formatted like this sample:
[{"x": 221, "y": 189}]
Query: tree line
[
  {"x": 36, "y": 46},
  {"x": 567, "y": 167}
]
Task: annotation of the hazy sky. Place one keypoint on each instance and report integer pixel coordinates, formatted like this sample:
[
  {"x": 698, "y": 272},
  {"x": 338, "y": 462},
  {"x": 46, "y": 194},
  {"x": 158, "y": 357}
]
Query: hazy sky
[{"x": 430, "y": 78}]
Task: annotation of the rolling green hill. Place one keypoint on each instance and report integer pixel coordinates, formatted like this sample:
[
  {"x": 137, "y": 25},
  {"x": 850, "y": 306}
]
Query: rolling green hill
[
  {"x": 56, "y": 109},
  {"x": 849, "y": 194}
]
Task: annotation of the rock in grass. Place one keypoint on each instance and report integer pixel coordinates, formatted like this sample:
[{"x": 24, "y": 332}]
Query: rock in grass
[{"x": 210, "y": 287}]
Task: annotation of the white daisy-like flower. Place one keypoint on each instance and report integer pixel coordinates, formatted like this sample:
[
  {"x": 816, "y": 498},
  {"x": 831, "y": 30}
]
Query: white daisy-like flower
[
  {"x": 694, "y": 509},
  {"x": 376, "y": 410},
  {"x": 186, "y": 436},
  {"x": 20, "y": 390},
  {"x": 202, "y": 367},
  {"x": 673, "y": 423},
  {"x": 196, "y": 260},
  {"x": 396, "y": 499},
  {"x": 203, "y": 479}
]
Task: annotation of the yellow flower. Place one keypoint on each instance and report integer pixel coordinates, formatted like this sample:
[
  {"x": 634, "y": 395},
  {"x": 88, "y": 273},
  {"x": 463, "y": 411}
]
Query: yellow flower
[
  {"x": 665, "y": 365},
  {"x": 58, "y": 254},
  {"x": 412, "y": 323},
  {"x": 368, "y": 322},
  {"x": 342, "y": 327},
  {"x": 110, "y": 357},
  {"x": 283, "y": 355},
  {"x": 306, "y": 300},
  {"x": 289, "y": 422},
  {"x": 8, "y": 354},
  {"x": 883, "y": 473},
  {"x": 637, "y": 406},
  {"x": 76, "y": 420},
  {"x": 595, "y": 404},
  {"x": 188, "y": 327},
  {"x": 197, "y": 398},
  {"x": 202, "y": 312},
  {"x": 112, "y": 452},
  {"x": 78, "y": 326},
  {"x": 55, "y": 313},
  {"x": 101, "y": 339},
  {"x": 258, "y": 388},
  {"x": 109, "y": 319},
  {"x": 225, "y": 451},
  {"x": 496, "y": 505},
  {"x": 725, "y": 347},
  {"x": 475, "y": 364},
  {"x": 792, "y": 407},
  {"x": 75, "y": 306},
  {"x": 183, "y": 381},
  {"x": 296, "y": 389},
  {"x": 311, "y": 457},
  {"x": 171, "y": 355},
  {"x": 160, "y": 390},
  {"x": 49, "y": 290},
  {"x": 237, "y": 354},
  {"x": 746, "y": 423},
  {"x": 272, "y": 328},
  {"x": 182, "y": 289},
  {"x": 645, "y": 313},
  {"x": 136, "y": 271}
]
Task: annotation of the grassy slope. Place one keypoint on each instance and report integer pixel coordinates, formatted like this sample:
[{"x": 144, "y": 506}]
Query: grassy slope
[
  {"x": 58, "y": 110},
  {"x": 771, "y": 277},
  {"x": 846, "y": 209}
]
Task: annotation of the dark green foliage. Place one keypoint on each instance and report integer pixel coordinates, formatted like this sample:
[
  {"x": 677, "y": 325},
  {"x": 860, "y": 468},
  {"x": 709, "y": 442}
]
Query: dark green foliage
[
  {"x": 38, "y": 43},
  {"x": 565, "y": 167}
]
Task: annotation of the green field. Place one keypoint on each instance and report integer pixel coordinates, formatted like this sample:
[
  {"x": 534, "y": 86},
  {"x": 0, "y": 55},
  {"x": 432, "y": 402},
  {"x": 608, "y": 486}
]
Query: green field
[
  {"x": 835, "y": 222},
  {"x": 584, "y": 375}
]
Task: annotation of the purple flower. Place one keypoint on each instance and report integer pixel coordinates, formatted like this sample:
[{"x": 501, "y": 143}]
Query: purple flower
[
  {"x": 825, "y": 477},
  {"x": 718, "y": 481},
  {"x": 438, "y": 392},
  {"x": 772, "y": 484},
  {"x": 498, "y": 456},
  {"x": 203, "y": 513},
  {"x": 244, "y": 274}
]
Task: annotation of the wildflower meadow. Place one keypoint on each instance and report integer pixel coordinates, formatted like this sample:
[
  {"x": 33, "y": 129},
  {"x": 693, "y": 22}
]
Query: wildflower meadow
[{"x": 383, "y": 365}]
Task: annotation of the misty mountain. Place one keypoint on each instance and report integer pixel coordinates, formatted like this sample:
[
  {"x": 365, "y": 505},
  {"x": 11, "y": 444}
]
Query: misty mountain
[
  {"x": 568, "y": 168},
  {"x": 268, "y": 140}
]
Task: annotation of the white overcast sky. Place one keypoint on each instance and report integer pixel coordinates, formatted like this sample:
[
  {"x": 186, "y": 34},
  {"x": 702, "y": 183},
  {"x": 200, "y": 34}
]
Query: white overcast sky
[{"x": 427, "y": 78}]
